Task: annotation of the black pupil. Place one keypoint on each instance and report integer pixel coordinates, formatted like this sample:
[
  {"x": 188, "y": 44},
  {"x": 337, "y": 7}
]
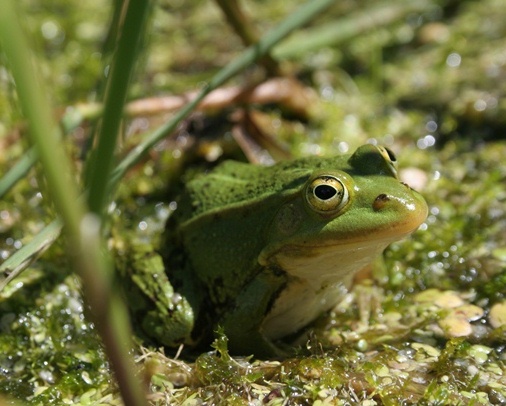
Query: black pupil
[{"x": 325, "y": 192}]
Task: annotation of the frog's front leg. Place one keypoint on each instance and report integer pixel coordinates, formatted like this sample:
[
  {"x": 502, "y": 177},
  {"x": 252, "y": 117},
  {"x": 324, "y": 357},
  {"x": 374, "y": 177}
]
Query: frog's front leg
[
  {"x": 243, "y": 323},
  {"x": 163, "y": 314}
]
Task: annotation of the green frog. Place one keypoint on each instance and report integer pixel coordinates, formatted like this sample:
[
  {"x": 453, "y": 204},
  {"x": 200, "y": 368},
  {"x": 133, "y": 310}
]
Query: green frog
[{"x": 263, "y": 251}]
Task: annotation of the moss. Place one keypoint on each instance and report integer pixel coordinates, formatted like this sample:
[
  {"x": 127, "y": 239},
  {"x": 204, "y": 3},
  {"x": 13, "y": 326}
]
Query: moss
[{"x": 52, "y": 352}]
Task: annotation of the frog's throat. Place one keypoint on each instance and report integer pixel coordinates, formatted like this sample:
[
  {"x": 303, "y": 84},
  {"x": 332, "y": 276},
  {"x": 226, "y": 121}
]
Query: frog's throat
[
  {"x": 316, "y": 282},
  {"x": 330, "y": 263}
]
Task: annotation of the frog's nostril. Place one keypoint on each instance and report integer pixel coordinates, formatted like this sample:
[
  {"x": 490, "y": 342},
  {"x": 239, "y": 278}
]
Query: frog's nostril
[{"x": 380, "y": 201}]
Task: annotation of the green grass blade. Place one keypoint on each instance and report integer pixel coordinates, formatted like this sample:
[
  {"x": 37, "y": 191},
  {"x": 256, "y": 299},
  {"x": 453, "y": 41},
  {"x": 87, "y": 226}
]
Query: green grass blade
[
  {"x": 120, "y": 73},
  {"x": 18, "y": 171},
  {"x": 27, "y": 254}
]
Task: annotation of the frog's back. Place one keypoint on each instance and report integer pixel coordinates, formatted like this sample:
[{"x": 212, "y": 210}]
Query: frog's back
[{"x": 233, "y": 184}]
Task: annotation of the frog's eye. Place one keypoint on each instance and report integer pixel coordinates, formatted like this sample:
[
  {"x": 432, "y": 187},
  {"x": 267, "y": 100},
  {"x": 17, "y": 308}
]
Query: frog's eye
[{"x": 326, "y": 194}]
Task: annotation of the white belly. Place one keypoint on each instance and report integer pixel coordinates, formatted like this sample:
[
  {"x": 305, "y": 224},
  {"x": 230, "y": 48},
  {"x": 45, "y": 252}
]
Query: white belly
[{"x": 298, "y": 305}]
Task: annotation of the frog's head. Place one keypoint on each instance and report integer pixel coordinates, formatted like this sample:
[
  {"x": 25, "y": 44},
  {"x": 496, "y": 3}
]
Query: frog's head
[{"x": 343, "y": 216}]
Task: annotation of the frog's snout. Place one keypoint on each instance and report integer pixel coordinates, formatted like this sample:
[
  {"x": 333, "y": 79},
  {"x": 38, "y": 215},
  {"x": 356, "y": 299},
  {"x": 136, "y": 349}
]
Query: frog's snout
[{"x": 410, "y": 210}]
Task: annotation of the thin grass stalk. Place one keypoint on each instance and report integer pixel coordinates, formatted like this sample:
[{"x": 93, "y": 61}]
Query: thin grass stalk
[
  {"x": 131, "y": 33},
  {"x": 244, "y": 28},
  {"x": 81, "y": 230},
  {"x": 18, "y": 171},
  {"x": 29, "y": 252}
]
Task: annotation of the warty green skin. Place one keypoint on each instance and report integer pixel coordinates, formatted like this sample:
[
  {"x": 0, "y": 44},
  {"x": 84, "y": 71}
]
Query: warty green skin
[{"x": 252, "y": 249}]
